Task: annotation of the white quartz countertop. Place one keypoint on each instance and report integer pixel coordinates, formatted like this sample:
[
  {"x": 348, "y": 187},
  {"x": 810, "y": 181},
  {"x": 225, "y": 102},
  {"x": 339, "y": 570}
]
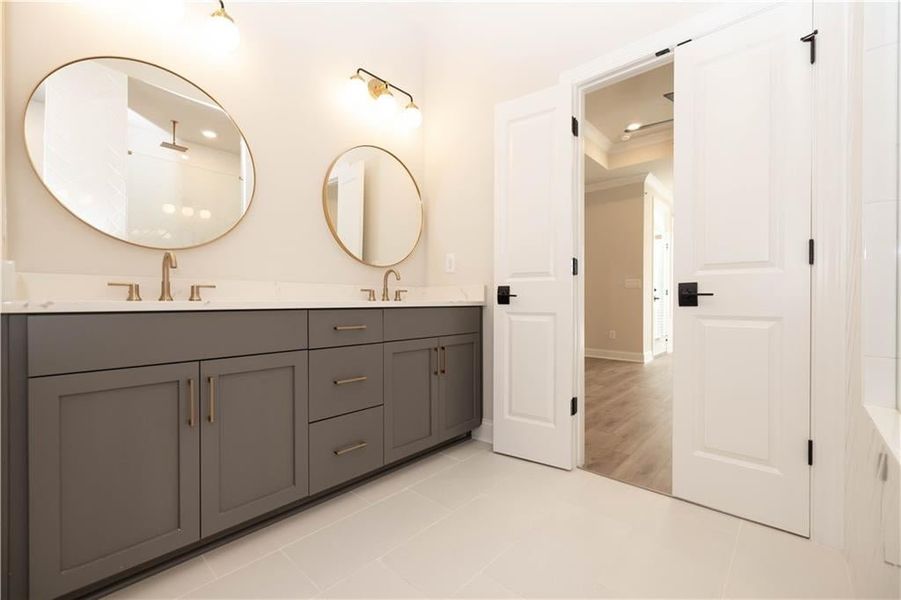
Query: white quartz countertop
[
  {"x": 46, "y": 293},
  {"x": 104, "y": 306}
]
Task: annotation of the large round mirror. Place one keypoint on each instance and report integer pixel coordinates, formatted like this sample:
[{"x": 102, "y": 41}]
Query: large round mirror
[
  {"x": 139, "y": 153},
  {"x": 372, "y": 206}
]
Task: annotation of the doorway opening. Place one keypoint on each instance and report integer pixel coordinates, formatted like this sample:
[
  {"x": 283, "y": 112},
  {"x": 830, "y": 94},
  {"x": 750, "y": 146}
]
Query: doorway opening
[{"x": 628, "y": 221}]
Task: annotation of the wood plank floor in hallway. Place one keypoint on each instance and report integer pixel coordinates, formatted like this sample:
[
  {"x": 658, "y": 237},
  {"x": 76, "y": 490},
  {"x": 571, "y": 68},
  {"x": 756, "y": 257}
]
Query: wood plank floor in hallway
[{"x": 628, "y": 421}]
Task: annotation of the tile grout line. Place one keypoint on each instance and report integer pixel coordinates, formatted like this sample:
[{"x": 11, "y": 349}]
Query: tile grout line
[{"x": 731, "y": 560}]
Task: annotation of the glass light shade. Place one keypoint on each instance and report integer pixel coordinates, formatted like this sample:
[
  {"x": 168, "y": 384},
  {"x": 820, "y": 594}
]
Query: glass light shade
[
  {"x": 386, "y": 105},
  {"x": 221, "y": 32},
  {"x": 412, "y": 116},
  {"x": 356, "y": 87}
]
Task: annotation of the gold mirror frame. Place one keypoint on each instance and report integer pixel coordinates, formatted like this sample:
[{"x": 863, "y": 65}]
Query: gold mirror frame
[
  {"x": 331, "y": 225},
  {"x": 253, "y": 167}
]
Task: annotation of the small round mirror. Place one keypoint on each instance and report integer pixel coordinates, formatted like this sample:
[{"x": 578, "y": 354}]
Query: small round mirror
[
  {"x": 139, "y": 153},
  {"x": 372, "y": 206}
]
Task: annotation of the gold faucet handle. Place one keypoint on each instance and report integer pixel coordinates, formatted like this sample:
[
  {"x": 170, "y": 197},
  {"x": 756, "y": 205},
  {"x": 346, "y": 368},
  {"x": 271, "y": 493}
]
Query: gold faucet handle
[
  {"x": 195, "y": 291},
  {"x": 398, "y": 294},
  {"x": 370, "y": 292},
  {"x": 134, "y": 290}
]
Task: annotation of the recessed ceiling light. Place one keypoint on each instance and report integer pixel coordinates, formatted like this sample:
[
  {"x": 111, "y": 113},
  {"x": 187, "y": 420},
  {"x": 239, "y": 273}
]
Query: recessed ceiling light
[
  {"x": 209, "y": 134},
  {"x": 187, "y": 211},
  {"x": 205, "y": 214},
  {"x": 633, "y": 126},
  {"x": 185, "y": 157},
  {"x": 168, "y": 208},
  {"x": 625, "y": 137}
]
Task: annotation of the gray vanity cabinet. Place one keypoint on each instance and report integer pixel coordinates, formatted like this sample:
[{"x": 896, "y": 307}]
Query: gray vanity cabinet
[
  {"x": 254, "y": 443},
  {"x": 459, "y": 385},
  {"x": 411, "y": 397},
  {"x": 114, "y": 467}
]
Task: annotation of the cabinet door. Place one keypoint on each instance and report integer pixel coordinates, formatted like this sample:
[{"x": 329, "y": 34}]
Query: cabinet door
[
  {"x": 113, "y": 472},
  {"x": 459, "y": 385},
  {"x": 253, "y": 436},
  {"x": 411, "y": 397}
]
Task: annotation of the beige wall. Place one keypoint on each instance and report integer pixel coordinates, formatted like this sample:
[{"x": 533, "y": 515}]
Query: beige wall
[
  {"x": 459, "y": 60},
  {"x": 614, "y": 234},
  {"x": 283, "y": 87}
]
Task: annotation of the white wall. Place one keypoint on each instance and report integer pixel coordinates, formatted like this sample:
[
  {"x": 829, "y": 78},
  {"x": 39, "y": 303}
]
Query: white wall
[
  {"x": 879, "y": 193},
  {"x": 873, "y": 471},
  {"x": 458, "y": 59},
  {"x": 283, "y": 87},
  {"x": 614, "y": 253},
  {"x": 476, "y": 56}
]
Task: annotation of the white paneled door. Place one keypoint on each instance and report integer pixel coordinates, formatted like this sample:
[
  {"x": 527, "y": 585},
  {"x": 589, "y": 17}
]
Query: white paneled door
[
  {"x": 534, "y": 333},
  {"x": 741, "y": 402}
]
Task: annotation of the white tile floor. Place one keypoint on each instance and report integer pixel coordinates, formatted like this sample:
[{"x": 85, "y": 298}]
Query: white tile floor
[{"x": 467, "y": 523}]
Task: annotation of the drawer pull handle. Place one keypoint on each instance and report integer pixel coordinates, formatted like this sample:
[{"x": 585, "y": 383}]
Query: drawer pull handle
[
  {"x": 212, "y": 382},
  {"x": 437, "y": 360},
  {"x": 351, "y": 448},
  {"x": 444, "y": 362},
  {"x": 351, "y": 380},
  {"x": 349, "y": 327},
  {"x": 191, "y": 407}
]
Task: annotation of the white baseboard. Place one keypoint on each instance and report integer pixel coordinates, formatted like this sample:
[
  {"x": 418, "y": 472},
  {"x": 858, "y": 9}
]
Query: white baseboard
[
  {"x": 639, "y": 357},
  {"x": 484, "y": 433}
]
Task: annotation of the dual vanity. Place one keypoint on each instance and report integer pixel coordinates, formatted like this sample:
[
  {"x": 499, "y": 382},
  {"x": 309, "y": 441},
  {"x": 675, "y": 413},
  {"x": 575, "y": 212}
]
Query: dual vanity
[
  {"x": 135, "y": 438},
  {"x": 139, "y": 433}
]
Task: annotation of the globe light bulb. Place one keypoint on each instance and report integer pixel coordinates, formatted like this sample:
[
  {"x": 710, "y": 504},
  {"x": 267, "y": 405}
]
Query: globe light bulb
[
  {"x": 386, "y": 105},
  {"x": 356, "y": 87},
  {"x": 221, "y": 32},
  {"x": 411, "y": 118}
]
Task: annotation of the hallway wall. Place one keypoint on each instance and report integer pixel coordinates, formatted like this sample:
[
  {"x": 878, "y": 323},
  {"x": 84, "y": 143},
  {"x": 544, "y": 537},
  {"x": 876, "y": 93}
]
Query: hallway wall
[{"x": 614, "y": 253}]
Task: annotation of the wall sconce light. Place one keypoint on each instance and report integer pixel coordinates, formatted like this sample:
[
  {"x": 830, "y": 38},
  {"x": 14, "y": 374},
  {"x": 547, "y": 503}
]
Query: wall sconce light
[
  {"x": 222, "y": 32},
  {"x": 386, "y": 104}
]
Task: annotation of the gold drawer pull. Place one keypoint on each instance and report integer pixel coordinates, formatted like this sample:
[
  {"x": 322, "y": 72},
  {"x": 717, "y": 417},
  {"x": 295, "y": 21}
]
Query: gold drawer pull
[
  {"x": 351, "y": 448},
  {"x": 351, "y": 380},
  {"x": 349, "y": 327}
]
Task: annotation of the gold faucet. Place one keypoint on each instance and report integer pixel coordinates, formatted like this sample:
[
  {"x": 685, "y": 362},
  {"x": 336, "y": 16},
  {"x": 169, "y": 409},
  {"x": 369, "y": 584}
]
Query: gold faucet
[
  {"x": 385, "y": 296},
  {"x": 169, "y": 263}
]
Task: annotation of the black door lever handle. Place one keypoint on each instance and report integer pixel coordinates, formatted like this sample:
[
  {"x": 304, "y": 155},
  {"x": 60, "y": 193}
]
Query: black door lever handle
[
  {"x": 504, "y": 295},
  {"x": 688, "y": 294}
]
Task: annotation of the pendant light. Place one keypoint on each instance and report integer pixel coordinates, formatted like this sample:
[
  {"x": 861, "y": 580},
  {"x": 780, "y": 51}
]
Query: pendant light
[{"x": 222, "y": 33}]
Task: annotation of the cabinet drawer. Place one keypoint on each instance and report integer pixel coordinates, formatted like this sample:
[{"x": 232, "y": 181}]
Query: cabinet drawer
[
  {"x": 411, "y": 323},
  {"x": 345, "y": 327},
  {"x": 345, "y": 447},
  {"x": 344, "y": 380},
  {"x": 90, "y": 342}
]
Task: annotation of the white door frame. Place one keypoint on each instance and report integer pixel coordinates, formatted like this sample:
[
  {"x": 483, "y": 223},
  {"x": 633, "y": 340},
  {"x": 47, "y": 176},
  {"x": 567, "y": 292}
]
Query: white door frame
[{"x": 832, "y": 329}]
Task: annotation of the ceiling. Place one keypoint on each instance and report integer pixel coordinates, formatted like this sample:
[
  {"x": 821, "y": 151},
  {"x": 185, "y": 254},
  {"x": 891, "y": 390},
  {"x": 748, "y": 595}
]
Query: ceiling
[
  {"x": 607, "y": 112},
  {"x": 638, "y": 99},
  {"x": 160, "y": 106}
]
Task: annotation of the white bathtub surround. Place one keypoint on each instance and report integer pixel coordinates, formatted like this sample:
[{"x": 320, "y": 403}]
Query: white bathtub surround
[{"x": 46, "y": 292}]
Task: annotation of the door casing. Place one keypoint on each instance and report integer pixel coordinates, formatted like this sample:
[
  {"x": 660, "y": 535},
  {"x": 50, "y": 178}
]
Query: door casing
[{"x": 831, "y": 303}]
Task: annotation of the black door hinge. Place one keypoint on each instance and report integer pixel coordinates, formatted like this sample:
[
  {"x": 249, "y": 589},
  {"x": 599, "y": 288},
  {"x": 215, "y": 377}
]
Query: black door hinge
[
  {"x": 811, "y": 38},
  {"x": 575, "y": 127},
  {"x": 575, "y": 266},
  {"x": 811, "y": 252},
  {"x": 574, "y": 406},
  {"x": 810, "y": 452}
]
